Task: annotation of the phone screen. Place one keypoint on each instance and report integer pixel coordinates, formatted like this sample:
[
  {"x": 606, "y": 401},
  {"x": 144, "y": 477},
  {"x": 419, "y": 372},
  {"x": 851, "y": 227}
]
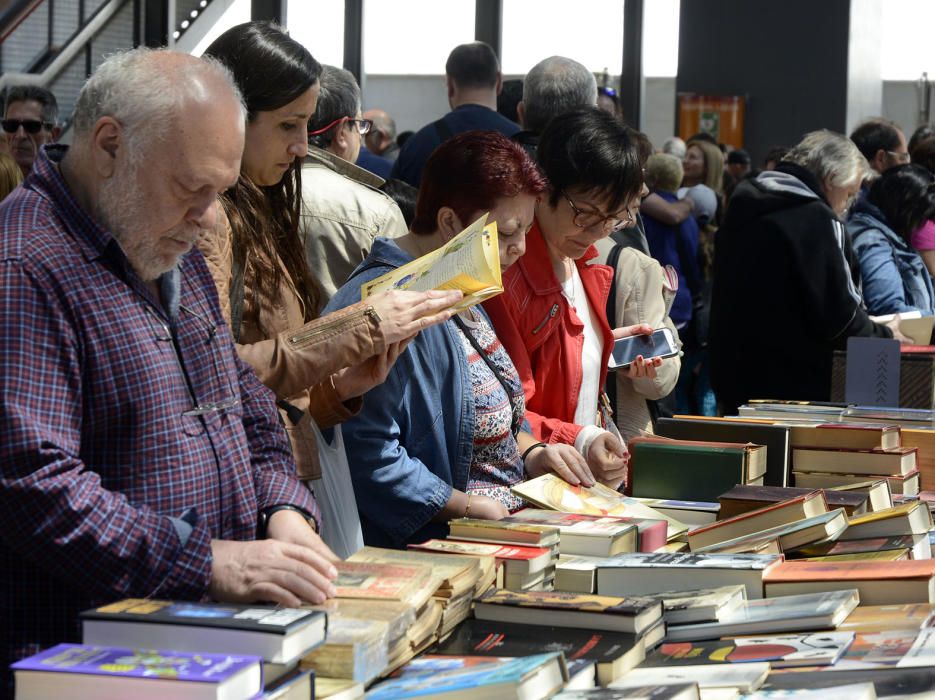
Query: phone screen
[{"x": 658, "y": 344}]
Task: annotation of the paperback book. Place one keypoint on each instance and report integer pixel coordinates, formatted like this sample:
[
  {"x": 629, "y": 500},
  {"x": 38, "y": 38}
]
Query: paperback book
[
  {"x": 780, "y": 651},
  {"x": 587, "y": 534}
]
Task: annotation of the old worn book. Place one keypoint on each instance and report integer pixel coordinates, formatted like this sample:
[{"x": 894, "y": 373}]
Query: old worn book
[
  {"x": 878, "y": 618},
  {"x": 782, "y": 613},
  {"x": 552, "y": 493},
  {"x": 639, "y": 574},
  {"x": 892, "y": 461},
  {"x": 91, "y": 672},
  {"x": 279, "y": 635},
  {"x": 853, "y": 436},
  {"x": 907, "y": 519},
  {"x": 458, "y": 574},
  {"x": 589, "y": 535},
  {"x": 776, "y": 439},
  {"x": 518, "y": 560},
  {"x": 888, "y": 555},
  {"x": 688, "y": 512},
  {"x": 337, "y": 689},
  {"x": 780, "y": 651},
  {"x": 615, "y": 653},
  {"x": 666, "y": 468},
  {"x": 743, "y": 498},
  {"x": 782, "y": 513},
  {"x": 905, "y": 484},
  {"x": 562, "y": 609},
  {"x": 469, "y": 262},
  {"x": 917, "y": 545},
  {"x": 412, "y": 583},
  {"x": 825, "y": 526},
  {"x": 530, "y": 534},
  {"x": 879, "y": 583},
  {"x": 355, "y": 649},
  {"x": 877, "y": 490}
]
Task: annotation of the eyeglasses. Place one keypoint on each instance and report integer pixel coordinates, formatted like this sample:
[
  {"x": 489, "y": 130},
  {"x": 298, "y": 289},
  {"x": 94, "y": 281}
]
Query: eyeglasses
[
  {"x": 591, "y": 219},
  {"x": 901, "y": 157},
  {"x": 363, "y": 126},
  {"x": 30, "y": 126},
  {"x": 199, "y": 408}
]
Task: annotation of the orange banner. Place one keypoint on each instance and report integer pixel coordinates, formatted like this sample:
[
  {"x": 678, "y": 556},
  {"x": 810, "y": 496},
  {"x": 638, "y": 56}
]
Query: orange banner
[{"x": 722, "y": 117}]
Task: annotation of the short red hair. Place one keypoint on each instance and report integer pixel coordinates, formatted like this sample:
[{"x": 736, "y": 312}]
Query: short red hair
[{"x": 469, "y": 173}]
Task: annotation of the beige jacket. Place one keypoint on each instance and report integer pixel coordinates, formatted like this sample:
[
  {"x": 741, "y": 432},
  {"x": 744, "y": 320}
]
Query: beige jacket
[
  {"x": 295, "y": 360},
  {"x": 342, "y": 212},
  {"x": 643, "y": 296}
]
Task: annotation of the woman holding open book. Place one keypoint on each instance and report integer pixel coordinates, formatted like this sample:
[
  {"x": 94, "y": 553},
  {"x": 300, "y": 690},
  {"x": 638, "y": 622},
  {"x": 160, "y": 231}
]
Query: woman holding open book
[
  {"x": 551, "y": 316},
  {"x": 443, "y": 437}
]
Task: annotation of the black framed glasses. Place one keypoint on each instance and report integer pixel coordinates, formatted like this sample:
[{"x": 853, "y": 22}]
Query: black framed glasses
[
  {"x": 30, "y": 126},
  {"x": 593, "y": 219}
]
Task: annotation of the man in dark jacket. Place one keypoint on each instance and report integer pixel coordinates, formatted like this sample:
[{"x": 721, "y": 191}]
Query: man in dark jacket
[{"x": 783, "y": 297}]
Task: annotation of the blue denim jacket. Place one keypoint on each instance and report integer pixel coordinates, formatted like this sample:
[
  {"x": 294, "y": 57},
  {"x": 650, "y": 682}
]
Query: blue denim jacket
[
  {"x": 413, "y": 439},
  {"x": 894, "y": 277}
]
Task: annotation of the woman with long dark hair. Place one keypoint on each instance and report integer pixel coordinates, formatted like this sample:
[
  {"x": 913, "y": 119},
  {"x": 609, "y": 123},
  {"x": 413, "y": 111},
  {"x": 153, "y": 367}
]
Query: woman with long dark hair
[{"x": 317, "y": 367}]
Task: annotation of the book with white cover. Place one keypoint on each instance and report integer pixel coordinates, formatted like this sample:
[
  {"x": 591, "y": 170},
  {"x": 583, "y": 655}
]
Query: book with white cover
[
  {"x": 743, "y": 677},
  {"x": 700, "y": 605},
  {"x": 851, "y": 691},
  {"x": 790, "y": 613}
]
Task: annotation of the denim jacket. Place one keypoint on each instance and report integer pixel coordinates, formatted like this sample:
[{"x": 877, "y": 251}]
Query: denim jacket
[
  {"x": 894, "y": 277},
  {"x": 413, "y": 439}
]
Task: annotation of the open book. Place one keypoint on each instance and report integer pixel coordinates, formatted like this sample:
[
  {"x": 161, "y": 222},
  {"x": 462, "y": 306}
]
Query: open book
[{"x": 470, "y": 262}]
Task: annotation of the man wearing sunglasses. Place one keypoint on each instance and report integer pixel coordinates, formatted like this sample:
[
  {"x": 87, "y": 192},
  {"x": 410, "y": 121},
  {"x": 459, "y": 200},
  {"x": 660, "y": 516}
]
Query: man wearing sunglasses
[
  {"x": 343, "y": 208},
  {"x": 29, "y": 121}
]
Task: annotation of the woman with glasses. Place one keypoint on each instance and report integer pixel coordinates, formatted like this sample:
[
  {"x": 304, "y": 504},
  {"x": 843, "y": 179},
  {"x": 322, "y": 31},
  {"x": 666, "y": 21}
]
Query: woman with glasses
[
  {"x": 444, "y": 436},
  {"x": 881, "y": 225},
  {"x": 552, "y": 314},
  {"x": 317, "y": 367}
]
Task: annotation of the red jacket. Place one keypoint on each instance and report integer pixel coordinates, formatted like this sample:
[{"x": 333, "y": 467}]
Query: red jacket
[{"x": 544, "y": 335}]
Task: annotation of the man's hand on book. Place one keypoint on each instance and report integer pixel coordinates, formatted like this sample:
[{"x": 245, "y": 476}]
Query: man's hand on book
[
  {"x": 607, "y": 458},
  {"x": 270, "y": 571},
  {"x": 359, "y": 379},
  {"x": 562, "y": 460},
  {"x": 403, "y": 313}
]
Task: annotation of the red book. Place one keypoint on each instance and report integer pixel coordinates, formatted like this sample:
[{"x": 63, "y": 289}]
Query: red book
[
  {"x": 879, "y": 583},
  {"x": 523, "y": 560}
]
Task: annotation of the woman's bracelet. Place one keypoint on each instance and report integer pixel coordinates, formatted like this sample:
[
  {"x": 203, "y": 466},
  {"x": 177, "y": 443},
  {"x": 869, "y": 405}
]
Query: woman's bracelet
[
  {"x": 467, "y": 507},
  {"x": 531, "y": 448}
]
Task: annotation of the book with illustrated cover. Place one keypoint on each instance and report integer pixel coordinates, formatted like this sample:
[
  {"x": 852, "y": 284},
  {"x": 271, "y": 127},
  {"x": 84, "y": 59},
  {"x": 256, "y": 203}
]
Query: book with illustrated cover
[
  {"x": 853, "y": 436},
  {"x": 879, "y": 618},
  {"x": 676, "y": 691},
  {"x": 459, "y": 574},
  {"x": 469, "y": 262},
  {"x": 851, "y": 691},
  {"x": 892, "y": 461},
  {"x": 811, "y": 649},
  {"x": 412, "y": 583},
  {"x": 553, "y": 493},
  {"x": 791, "y": 613},
  {"x": 355, "y": 649},
  {"x": 587, "y": 535},
  {"x": 667, "y": 468},
  {"x": 509, "y": 532},
  {"x": 826, "y": 526},
  {"x": 879, "y": 583},
  {"x": 89, "y": 672},
  {"x": 701, "y": 605},
  {"x": 615, "y": 653},
  {"x": 279, "y": 635},
  {"x": 518, "y": 560},
  {"x": 581, "y": 673},
  {"x": 743, "y": 677},
  {"x": 639, "y": 574},
  {"x": 562, "y": 609},
  {"x": 744, "y": 498},
  {"x": 774, "y": 515}
]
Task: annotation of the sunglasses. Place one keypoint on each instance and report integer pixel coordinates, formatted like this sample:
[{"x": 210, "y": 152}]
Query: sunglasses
[{"x": 30, "y": 126}]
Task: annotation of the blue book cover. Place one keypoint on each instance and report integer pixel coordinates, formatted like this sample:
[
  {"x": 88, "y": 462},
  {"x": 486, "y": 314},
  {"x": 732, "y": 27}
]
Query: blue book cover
[
  {"x": 477, "y": 677},
  {"x": 137, "y": 663}
]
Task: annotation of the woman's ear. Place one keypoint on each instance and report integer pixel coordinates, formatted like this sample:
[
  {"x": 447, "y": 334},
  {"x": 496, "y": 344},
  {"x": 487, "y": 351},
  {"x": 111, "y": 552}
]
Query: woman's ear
[{"x": 448, "y": 223}]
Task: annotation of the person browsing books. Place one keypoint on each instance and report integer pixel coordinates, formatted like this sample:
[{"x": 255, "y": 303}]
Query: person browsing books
[
  {"x": 318, "y": 367},
  {"x": 551, "y": 316},
  {"x": 140, "y": 456},
  {"x": 443, "y": 437}
]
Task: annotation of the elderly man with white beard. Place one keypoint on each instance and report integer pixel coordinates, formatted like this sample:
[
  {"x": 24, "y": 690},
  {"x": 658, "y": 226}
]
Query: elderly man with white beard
[{"x": 138, "y": 455}]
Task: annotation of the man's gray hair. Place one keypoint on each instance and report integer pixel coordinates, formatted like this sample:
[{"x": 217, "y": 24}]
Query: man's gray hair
[
  {"x": 339, "y": 97},
  {"x": 830, "y": 156},
  {"x": 555, "y": 86},
  {"x": 34, "y": 93},
  {"x": 144, "y": 93}
]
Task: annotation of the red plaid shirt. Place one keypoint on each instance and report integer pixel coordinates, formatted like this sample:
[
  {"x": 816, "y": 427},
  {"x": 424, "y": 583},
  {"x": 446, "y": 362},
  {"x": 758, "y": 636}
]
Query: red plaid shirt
[{"x": 100, "y": 455}]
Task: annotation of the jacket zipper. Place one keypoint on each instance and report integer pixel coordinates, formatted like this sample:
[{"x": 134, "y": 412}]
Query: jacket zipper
[
  {"x": 552, "y": 312},
  {"x": 323, "y": 328}
]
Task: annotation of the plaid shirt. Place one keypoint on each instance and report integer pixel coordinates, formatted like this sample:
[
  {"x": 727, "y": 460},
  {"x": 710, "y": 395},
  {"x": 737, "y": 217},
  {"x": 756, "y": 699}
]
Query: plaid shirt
[{"x": 102, "y": 466}]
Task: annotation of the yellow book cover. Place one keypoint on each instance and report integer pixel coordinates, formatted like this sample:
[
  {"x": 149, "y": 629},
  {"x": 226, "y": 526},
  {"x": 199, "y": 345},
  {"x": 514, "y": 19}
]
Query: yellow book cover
[
  {"x": 469, "y": 262},
  {"x": 904, "y": 509},
  {"x": 888, "y": 555}
]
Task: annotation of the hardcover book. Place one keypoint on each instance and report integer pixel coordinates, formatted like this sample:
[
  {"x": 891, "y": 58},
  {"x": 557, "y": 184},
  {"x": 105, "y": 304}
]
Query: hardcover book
[
  {"x": 552, "y": 493},
  {"x": 778, "y": 514},
  {"x": 614, "y": 652},
  {"x": 825, "y": 526},
  {"x": 688, "y": 512},
  {"x": 743, "y": 498},
  {"x": 665, "y": 468},
  {"x": 918, "y": 545},
  {"x": 896, "y": 460},
  {"x": 562, "y": 609},
  {"x": 279, "y": 635},
  {"x": 879, "y": 583},
  {"x": 88, "y": 672},
  {"x": 790, "y": 613},
  {"x": 904, "y": 484},
  {"x": 912, "y": 518},
  {"x": 780, "y": 651},
  {"x": 590, "y": 535},
  {"x": 509, "y": 532},
  {"x": 852, "y": 436}
]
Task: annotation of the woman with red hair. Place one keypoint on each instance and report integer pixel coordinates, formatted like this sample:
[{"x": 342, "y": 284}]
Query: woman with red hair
[{"x": 443, "y": 436}]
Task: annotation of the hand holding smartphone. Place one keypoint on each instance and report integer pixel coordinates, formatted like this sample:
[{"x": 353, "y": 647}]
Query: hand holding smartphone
[{"x": 660, "y": 343}]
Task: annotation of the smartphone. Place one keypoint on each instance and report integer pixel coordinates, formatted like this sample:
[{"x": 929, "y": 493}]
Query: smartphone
[{"x": 660, "y": 343}]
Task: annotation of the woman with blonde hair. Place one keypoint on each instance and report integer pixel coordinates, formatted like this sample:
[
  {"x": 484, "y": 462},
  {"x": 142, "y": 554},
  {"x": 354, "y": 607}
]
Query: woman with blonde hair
[{"x": 10, "y": 175}]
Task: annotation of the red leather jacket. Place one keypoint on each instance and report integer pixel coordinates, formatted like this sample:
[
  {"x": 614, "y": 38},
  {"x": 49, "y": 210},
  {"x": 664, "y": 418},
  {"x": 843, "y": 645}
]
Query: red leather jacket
[{"x": 544, "y": 335}]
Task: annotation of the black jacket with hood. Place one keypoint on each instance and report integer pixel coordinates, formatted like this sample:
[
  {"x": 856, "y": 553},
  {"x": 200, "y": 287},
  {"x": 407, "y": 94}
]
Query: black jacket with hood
[{"x": 784, "y": 298}]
